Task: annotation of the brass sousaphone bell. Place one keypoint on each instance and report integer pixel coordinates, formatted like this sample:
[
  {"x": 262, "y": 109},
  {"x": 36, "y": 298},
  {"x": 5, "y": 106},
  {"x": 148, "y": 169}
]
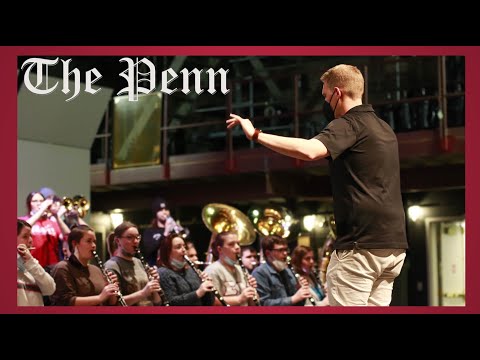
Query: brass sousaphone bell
[
  {"x": 272, "y": 220},
  {"x": 220, "y": 217}
]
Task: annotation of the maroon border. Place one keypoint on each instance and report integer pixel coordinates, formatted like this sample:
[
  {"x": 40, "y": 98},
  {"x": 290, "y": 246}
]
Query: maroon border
[{"x": 8, "y": 146}]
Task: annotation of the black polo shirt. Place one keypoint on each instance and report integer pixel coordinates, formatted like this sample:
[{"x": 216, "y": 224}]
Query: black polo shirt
[{"x": 365, "y": 177}]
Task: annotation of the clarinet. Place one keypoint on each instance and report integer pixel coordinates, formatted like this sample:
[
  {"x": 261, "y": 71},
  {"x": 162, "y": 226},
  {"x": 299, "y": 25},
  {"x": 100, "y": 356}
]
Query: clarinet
[
  {"x": 297, "y": 276},
  {"x": 199, "y": 273},
  {"x": 147, "y": 270},
  {"x": 121, "y": 300},
  {"x": 245, "y": 274}
]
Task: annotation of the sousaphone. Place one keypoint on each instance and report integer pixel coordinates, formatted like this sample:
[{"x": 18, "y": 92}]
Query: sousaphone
[
  {"x": 221, "y": 217},
  {"x": 272, "y": 220}
]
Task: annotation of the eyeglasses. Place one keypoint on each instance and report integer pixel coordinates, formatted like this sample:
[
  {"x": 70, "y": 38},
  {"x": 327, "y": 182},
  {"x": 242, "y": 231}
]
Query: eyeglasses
[
  {"x": 132, "y": 237},
  {"x": 284, "y": 249}
]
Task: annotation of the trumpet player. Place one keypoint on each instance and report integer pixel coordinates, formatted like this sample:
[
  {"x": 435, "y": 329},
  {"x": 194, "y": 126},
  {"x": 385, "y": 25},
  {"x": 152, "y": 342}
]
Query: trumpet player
[
  {"x": 227, "y": 275},
  {"x": 277, "y": 285},
  {"x": 78, "y": 282},
  {"x": 135, "y": 285},
  {"x": 162, "y": 225},
  {"x": 46, "y": 234},
  {"x": 33, "y": 281},
  {"x": 181, "y": 284},
  {"x": 57, "y": 212}
]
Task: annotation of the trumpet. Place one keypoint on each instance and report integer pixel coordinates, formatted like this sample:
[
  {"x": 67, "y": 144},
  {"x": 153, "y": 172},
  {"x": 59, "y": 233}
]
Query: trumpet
[
  {"x": 199, "y": 273},
  {"x": 297, "y": 276},
  {"x": 165, "y": 301},
  {"x": 78, "y": 203},
  {"x": 245, "y": 274},
  {"x": 121, "y": 300},
  {"x": 177, "y": 228}
]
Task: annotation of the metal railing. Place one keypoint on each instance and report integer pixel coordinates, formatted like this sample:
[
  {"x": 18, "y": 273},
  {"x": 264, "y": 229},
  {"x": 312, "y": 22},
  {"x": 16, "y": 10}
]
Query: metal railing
[{"x": 287, "y": 117}]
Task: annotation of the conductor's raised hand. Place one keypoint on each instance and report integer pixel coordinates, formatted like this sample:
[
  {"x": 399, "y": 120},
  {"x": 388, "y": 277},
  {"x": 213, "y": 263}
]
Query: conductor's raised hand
[{"x": 246, "y": 124}]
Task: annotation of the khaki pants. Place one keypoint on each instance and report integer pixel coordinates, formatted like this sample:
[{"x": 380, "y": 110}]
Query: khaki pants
[{"x": 363, "y": 277}]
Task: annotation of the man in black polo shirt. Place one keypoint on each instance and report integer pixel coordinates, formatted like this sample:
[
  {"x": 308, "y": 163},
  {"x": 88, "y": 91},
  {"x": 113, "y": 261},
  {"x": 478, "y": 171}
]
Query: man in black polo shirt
[{"x": 362, "y": 151}]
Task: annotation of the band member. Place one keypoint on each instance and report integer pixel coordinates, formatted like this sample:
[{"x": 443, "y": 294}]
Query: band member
[
  {"x": 191, "y": 250},
  {"x": 32, "y": 280},
  {"x": 56, "y": 213},
  {"x": 276, "y": 284},
  {"x": 46, "y": 234},
  {"x": 303, "y": 263},
  {"x": 138, "y": 287},
  {"x": 249, "y": 257},
  {"x": 162, "y": 225},
  {"x": 181, "y": 284},
  {"x": 78, "y": 282},
  {"x": 227, "y": 275}
]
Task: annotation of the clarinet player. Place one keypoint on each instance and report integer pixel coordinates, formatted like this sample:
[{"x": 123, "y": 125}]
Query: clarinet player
[
  {"x": 77, "y": 282},
  {"x": 181, "y": 285},
  {"x": 277, "y": 285},
  {"x": 33, "y": 281},
  {"x": 135, "y": 285},
  {"x": 227, "y": 275},
  {"x": 303, "y": 264}
]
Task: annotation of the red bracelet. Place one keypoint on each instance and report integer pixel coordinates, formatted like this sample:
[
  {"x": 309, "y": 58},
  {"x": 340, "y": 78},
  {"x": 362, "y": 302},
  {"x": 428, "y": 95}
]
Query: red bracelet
[{"x": 255, "y": 134}]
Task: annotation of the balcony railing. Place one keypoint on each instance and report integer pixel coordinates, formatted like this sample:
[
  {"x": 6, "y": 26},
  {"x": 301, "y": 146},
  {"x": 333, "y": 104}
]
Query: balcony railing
[{"x": 298, "y": 112}]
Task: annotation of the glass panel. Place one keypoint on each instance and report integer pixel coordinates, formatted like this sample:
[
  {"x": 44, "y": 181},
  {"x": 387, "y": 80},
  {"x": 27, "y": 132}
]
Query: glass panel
[
  {"x": 446, "y": 261},
  {"x": 137, "y": 131},
  {"x": 452, "y": 263}
]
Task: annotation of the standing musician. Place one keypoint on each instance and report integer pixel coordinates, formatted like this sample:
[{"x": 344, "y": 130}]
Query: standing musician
[
  {"x": 303, "y": 264},
  {"x": 182, "y": 286},
  {"x": 78, "y": 282},
  {"x": 32, "y": 280},
  {"x": 134, "y": 282},
  {"x": 162, "y": 225},
  {"x": 46, "y": 234},
  {"x": 277, "y": 285},
  {"x": 227, "y": 275},
  {"x": 56, "y": 213}
]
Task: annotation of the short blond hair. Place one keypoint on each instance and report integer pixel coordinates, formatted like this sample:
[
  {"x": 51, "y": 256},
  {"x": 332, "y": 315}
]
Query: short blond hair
[{"x": 346, "y": 77}]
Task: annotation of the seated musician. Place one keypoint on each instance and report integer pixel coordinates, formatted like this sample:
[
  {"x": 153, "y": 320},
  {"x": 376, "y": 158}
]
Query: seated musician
[
  {"x": 303, "y": 263},
  {"x": 182, "y": 285},
  {"x": 277, "y": 286},
  {"x": 227, "y": 275}
]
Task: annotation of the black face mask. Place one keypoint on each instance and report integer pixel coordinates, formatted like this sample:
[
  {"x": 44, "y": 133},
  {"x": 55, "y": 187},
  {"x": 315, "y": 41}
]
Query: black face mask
[{"x": 327, "y": 109}]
